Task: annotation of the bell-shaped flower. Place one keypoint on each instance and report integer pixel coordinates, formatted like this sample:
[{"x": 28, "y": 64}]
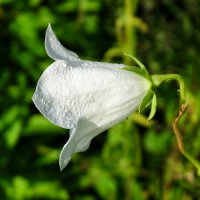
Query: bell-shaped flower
[{"x": 84, "y": 96}]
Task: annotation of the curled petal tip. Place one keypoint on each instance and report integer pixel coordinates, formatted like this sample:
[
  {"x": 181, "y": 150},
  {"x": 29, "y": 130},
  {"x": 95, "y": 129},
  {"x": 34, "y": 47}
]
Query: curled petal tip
[
  {"x": 49, "y": 29},
  {"x": 65, "y": 154},
  {"x": 55, "y": 49},
  {"x": 61, "y": 167},
  {"x": 63, "y": 163}
]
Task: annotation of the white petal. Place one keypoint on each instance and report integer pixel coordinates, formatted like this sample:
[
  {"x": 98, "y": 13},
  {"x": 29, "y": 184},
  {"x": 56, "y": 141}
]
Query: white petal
[
  {"x": 64, "y": 93},
  {"x": 54, "y": 48},
  {"x": 101, "y": 64},
  {"x": 48, "y": 96},
  {"x": 74, "y": 144},
  {"x": 86, "y": 130},
  {"x": 87, "y": 100},
  {"x": 56, "y": 51}
]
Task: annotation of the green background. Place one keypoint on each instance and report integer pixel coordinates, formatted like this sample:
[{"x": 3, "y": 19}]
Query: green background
[{"x": 133, "y": 160}]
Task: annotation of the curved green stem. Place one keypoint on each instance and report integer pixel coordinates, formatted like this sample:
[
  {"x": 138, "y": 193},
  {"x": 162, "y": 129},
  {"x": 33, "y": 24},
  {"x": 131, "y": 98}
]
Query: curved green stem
[
  {"x": 129, "y": 45},
  {"x": 159, "y": 78}
]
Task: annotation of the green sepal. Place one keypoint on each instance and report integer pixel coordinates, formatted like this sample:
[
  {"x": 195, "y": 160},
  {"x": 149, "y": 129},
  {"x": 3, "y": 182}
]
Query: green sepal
[
  {"x": 146, "y": 101},
  {"x": 153, "y": 107},
  {"x": 149, "y": 99},
  {"x": 140, "y": 64},
  {"x": 137, "y": 71}
]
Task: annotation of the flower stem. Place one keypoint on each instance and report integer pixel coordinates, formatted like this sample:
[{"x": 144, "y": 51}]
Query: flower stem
[
  {"x": 130, "y": 31},
  {"x": 159, "y": 78}
]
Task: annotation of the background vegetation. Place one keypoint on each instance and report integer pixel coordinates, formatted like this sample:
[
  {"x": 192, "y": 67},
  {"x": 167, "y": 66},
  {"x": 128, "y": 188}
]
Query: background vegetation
[{"x": 133, "y": 160}]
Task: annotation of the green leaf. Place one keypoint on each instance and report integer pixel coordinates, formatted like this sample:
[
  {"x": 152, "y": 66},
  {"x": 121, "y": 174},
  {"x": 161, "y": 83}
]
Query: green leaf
[
  {"x": 37, "y": 124},
  {"x": 9, "y": 116},
  {"x": 13, "y": 133}
]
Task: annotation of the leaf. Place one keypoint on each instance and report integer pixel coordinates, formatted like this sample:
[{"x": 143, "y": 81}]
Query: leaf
[
  {"x": 13, "y": 133},
  {"x": 37, "y": 124}
]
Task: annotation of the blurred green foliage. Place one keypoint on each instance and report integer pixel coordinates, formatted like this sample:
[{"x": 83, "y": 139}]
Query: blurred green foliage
[{"x": 134, "y": 160}]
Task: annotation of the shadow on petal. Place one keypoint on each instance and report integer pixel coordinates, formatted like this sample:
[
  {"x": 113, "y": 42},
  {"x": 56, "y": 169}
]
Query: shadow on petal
[{"x": 79, "y": 140}]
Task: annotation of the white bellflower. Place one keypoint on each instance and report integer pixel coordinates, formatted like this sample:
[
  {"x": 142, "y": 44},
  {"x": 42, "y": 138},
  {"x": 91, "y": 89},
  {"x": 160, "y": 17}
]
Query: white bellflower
[{"x": 84, "y": 96}]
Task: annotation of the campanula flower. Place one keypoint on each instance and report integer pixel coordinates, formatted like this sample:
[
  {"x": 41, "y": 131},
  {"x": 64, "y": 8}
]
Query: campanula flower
[{"x": 84, "y": 96}]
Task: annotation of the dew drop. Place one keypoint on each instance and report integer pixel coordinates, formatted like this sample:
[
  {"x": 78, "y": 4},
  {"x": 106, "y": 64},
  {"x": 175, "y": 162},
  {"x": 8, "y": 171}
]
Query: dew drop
[{"x": 90, "y": 96}]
